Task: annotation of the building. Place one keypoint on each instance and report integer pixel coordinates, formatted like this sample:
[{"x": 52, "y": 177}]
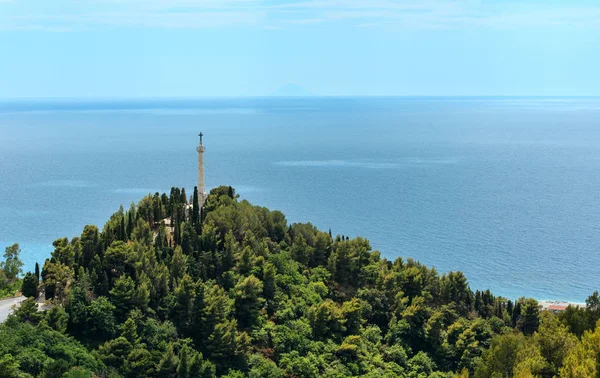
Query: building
[{"x": 556, "y": 308}]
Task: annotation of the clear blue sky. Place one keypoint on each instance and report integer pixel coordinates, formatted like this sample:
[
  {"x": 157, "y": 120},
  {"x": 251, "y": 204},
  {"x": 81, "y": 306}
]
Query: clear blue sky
[{"x": 155, "y": 48}]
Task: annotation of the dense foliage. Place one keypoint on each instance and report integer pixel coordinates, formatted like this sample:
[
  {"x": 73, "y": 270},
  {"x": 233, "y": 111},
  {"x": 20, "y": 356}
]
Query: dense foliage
[
  {"x": 10, "y": 268},
  {"x": 168, "y": 289}
]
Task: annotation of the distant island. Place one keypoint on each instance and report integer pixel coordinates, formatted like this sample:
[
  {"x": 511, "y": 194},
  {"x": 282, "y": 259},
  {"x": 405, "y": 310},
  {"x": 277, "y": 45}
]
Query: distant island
[
  {"x": 168, "y": 288},
  {"x": 291, "y": 90}
]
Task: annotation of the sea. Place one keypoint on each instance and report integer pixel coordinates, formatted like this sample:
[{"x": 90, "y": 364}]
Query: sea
[{"x": 506, "y": 190}]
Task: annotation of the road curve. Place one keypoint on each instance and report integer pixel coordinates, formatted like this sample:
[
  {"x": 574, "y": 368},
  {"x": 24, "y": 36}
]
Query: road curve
[{"x": 6, "y": 306}]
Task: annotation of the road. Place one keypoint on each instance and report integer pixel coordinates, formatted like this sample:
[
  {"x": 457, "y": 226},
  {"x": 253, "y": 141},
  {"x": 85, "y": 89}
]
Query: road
[{"x": 6, "y": 304}]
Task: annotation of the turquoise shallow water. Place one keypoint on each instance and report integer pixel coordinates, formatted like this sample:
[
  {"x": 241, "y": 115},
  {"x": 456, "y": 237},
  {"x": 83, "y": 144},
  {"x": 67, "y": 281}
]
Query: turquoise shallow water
[{"x": 505, "y": 189}]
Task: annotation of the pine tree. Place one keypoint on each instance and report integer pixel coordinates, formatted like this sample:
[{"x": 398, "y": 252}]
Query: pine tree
[{"x": 167, "y": 366}]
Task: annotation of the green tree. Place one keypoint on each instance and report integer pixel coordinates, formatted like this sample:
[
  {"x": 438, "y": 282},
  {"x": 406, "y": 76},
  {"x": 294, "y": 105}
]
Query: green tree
[
  {"x": 248, "y": 301},
  {"x": 101, "y": 322},
  {"x": 9, "y": 367},
  {"x": 196, "y": 211},
  {"x": 327, "y": 320},
  {"x": 138, "y": 363},
  {"x": 90, "y": 245},
  {"x": 57, "y": 318},
  {"x": 554, "y": 341},
  {"x": 183, "y": 309},
  {"x": 167, "y": 366},
  {"x": 30, "y": 283},
  {"x": 582, "y": 359},
  {"x": 63, "y": 252},
  {"x": 78, "y": 372},
  {"x": 12, "y": 264},
  {"x": 28, "y": 312},
  {"x": 529, "y": 319},
  {"x": 123, "y": 295}
]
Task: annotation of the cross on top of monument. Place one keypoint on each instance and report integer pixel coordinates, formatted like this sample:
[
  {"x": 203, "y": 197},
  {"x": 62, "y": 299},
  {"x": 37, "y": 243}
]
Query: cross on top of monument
[{"x": 200, "y": 135}]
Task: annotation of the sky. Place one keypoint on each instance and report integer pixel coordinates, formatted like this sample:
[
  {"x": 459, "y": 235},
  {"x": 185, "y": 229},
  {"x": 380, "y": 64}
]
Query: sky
[{"x": 213, "y": 48}]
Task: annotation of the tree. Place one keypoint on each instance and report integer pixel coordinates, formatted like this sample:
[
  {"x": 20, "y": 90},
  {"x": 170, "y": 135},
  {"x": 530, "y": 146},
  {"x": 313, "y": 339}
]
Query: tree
[
  {"x": 78, "y": 372},
  {"x": 12, "y": 264},
  {"x": 529, "y": 320},
  {"x": 57, "y": 318},
  {"x": 501, "y": 357},
  {"x": 196, "y": 211},
  {"x": 37, "y": 271},
  {"x": 28, "y": 312},
  {"x": 9, "y": 367},
  {"x": 592, "y": 308},
  {"x": 269, "y": 286},
  {"x": 248, "y": 301},
  {"x": 63, "y": 252},
  {"x": 167, "y": 366},
  {"x": 327, "y": 320},
  {"x": 101, "y": 323},
  {"x": 582, "y": 360},
  {"x": 182, "y": 311},
  {"x": 142, "y": 234},
  {"x": 554, "y": 341},
  {"x": 30, "y": 284},
  {"x": 138, "y": 363},
  {"x": 123, "y": 295},
  {"x": 57, "y": 280},
  {"x": 179, "y": 264},
  {"x": 90, "y": 245},
  {"x": 352, "y": 310}
]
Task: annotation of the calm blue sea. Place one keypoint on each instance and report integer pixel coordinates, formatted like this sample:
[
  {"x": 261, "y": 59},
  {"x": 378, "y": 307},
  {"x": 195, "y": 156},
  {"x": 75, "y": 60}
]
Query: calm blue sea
[{"x": 505, "y": 189}]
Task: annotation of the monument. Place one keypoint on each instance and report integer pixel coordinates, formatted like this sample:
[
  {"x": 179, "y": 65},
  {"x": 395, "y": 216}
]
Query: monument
[{"x": 201, "y": 193}]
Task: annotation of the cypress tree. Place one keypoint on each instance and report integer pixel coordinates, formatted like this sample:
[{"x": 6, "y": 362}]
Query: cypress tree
[
  {"x": 37, "y": 271},
  {"x": 516, "y": 313},
  {"x": 165, "y": 203},
  {"x": 196, "y": 211},
  {"x": 29, "y": 287},
  {"x": 478, "y": 302},
  {"x": 130, "y": 220},
  {"x": 183, "y": 196},
  {"x": 509, "y": 308},
  {"x": 122, "y": 235}
]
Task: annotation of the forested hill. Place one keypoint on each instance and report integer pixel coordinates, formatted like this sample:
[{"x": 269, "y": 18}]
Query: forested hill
[{"x": 236, "y": 291}]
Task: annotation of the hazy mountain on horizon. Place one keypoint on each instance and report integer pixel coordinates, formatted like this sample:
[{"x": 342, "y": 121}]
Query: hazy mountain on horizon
[{"x": 292, "y": 90}]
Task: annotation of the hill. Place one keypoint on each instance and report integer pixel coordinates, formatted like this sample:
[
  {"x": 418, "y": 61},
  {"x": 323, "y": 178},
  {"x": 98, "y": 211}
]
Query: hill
[{"x": 234, "y": 290}]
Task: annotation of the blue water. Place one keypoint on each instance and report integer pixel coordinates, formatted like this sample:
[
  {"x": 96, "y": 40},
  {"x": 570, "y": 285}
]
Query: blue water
[{"x": 505, "y": 189}]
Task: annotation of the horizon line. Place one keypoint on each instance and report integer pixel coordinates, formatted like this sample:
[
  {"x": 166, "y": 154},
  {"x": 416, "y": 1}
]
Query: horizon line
[{"x": 225, "y": 97}]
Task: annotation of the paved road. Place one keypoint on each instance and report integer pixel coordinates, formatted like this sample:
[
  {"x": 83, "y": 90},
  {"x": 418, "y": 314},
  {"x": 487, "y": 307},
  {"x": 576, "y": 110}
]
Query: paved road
[{"x": 6, "y": 304}]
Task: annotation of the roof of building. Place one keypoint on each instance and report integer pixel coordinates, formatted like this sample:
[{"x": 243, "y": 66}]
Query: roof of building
[{"x": 557, "y": 307}]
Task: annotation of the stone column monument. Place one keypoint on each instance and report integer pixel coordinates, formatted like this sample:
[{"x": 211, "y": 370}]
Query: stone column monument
[{"x": 201, "y": 193}]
